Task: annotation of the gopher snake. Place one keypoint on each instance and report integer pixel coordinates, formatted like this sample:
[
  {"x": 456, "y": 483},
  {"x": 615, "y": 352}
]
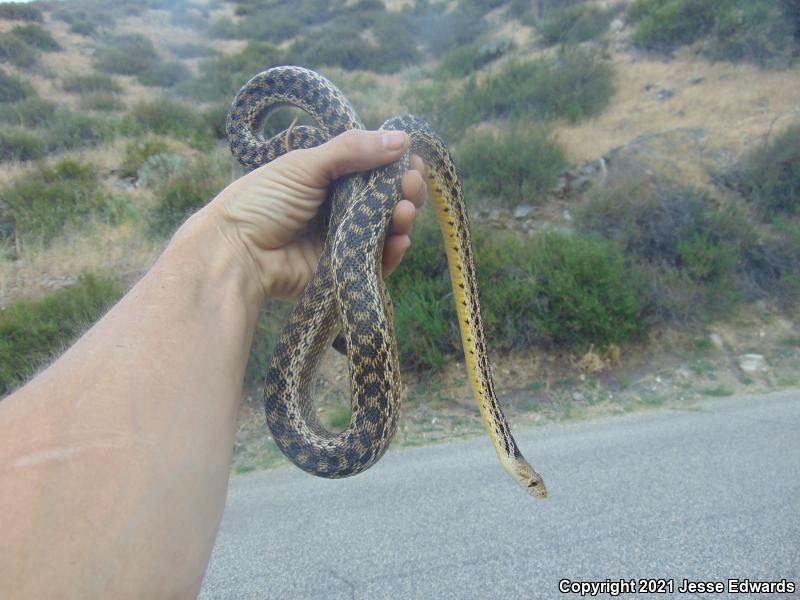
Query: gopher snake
[{"x": 347, "y": 292}]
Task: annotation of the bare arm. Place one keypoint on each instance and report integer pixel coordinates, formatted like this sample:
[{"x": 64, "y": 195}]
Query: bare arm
[{"x": 114, "y": 461}]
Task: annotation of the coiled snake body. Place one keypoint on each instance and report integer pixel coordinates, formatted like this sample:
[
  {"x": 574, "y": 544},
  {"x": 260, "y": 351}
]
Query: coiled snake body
[{"x": 347, "y": 293}]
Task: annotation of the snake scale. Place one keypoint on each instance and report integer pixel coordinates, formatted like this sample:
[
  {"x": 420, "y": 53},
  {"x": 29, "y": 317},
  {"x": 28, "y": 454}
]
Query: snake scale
[{"x": 347, "y": 294}]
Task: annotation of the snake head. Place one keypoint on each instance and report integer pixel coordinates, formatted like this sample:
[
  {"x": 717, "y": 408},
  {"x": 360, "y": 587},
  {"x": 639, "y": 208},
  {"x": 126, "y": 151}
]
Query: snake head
[{"x": 529, "y": 479}]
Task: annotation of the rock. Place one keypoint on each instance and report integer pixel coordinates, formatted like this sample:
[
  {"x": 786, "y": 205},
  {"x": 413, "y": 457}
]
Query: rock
[
  {"x": 522, "y": 211},
  {"x": 664, "y": 95},
  {"x": 495, "y": 214},
  {"x": 567, "y": 216},
  {"x": 717, "y": 342},
  {"x": 752, "y": 363},
  {"x": 578, "y": 397},
  {"x": 617, "y": 25},
  {"x": 697, "y": 80}
]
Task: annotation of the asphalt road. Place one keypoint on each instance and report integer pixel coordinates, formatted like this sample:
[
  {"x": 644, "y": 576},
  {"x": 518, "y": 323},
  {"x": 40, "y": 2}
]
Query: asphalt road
[{"x": 706, "y": 494}]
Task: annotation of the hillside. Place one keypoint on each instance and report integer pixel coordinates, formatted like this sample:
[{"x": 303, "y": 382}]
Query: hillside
[{"x": 631, "y": 168}]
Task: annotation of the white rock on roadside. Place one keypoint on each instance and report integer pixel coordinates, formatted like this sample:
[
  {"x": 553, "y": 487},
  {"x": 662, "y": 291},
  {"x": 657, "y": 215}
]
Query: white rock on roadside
[{"x": 752, "y": 363}]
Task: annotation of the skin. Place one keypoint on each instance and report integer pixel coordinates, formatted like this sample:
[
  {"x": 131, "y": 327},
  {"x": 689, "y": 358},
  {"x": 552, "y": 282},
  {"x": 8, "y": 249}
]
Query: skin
[{"x": 114, "y": 461}]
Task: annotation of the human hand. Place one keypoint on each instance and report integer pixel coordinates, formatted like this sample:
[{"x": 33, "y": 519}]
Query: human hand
[{"x": 265, "y": 214}]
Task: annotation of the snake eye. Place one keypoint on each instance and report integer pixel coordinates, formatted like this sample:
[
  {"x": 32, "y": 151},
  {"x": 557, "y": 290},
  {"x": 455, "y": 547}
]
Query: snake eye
[{"x": 533, "y": 483}]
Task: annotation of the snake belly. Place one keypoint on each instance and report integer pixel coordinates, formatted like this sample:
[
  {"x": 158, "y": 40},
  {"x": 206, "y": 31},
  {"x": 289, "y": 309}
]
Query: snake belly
[{"x": 347, "y": 294}]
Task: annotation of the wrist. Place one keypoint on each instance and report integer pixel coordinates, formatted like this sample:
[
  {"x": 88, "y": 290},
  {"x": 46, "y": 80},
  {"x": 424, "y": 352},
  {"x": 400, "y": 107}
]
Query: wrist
[{"x": 207, "y": 251}]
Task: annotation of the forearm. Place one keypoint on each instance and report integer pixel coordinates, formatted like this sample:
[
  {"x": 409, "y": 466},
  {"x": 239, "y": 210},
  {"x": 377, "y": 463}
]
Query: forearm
[{"x": 117, "y": 456}]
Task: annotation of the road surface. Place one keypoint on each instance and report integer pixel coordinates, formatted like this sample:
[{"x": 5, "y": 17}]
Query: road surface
[{"x": 705, "y": 494}]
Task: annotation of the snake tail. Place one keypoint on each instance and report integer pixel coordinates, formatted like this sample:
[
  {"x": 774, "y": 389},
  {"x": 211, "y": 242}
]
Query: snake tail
[{"x": 447, "y": 197}]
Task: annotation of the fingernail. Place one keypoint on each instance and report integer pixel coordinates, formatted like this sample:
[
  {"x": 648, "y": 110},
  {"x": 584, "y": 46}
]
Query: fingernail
[{"x": 393, "y": 140}]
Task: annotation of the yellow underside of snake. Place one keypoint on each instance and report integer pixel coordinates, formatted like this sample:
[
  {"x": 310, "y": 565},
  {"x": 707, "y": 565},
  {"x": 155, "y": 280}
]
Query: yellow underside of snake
[{"x": 347, "y": 300}]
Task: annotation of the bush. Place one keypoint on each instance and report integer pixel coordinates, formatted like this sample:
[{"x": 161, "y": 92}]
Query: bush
[
  {"x": 667, "y": 24},
  {"x": 512, "y": 168},
  {"x": 33, "y": 112},
  {"x": 770, "y": 267},
  {"x": 188, "y": 189},
  {"x": 463, "y": 60},
  {"x": 21, "y": 12},
  {"x": 575, "y": 24},
  {"x": 70, "y": 130},
  {"x": 131, "y": 54},
  {"x": 20, "y": 144},
  {"x": 342, "y": 44},
  {"x": 15, "y": 51},
  {"x": 41, "y": 203},
  {"x": 138, "y": 150},
  {"x": 554, "y": 289},
  {"x": 37, "y": 37},
  {"x": 168, "y": 117},
  {"x": 442, "y": 31},
  {"x": 191, "y": 50},
  {"x": 737, "y": 30},
  {"x": 34, "y": 331},
  {"x": 101, "y": 101},
  {"x": 769, "y": 177},
  {"x": 560, "y": 289},
  {"x": 756, "y": 32},
  {"x": 12, "y": 88},
  {"x": 84, "y": 28},
  {"x": 165, "y": 74},
  {"x": 94, "y": 82},
  {"x": 574, "y": 85},
  {"x": 686, "y": 242},
  {"x": 223, "y": 76}
]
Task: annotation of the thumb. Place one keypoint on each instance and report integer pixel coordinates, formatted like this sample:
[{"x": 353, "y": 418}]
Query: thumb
[{"x": 356, "y": 150}]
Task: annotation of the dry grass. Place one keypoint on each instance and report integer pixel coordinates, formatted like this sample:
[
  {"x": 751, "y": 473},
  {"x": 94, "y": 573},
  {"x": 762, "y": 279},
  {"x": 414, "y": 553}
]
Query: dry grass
[
  {"x": 100, "y": 249},
  {"x": 734, "y": 104}
]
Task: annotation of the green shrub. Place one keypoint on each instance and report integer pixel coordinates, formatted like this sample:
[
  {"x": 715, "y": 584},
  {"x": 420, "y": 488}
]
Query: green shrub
[
  {"x": 189, "y": 189},
  {"x": 138, "y": 150},
  {"x": 770, "y": 267},
  {"x": 463, "y": 60},
  {"x": 21, "y": 144},
  {"x": 15, "y": 51},
  {"x": 37, "y": 37},
  {"x": 13, "y": 11},
  {"x": 736, "y": 30},
  {"x": 512, "y": 168},
  {"x": 84, "y": 28},
  {"x": 70, "y": 130},
  {"x": 769, "y": 177},
  {"x": 93, "y": 82},
  {"x": 222, "y": 76},
  {"x": 574, "y": 85},
  {"x": 667, "y": 24},
  {"x": 12, "y": 88},
  {"x": 39, "y": 204},
  {"x": 692, "y": 249},
  {"x": 341, "y": 44},
  {"x": 753, "y": 31},
  {"x": 34, "y": 331},
  {"x": 575, "y": 24},
  {"x": 130, "y": 54},
  {"x": 420, "y": 290},
  {"x": 164, "y": 74},
  {"x": 169, "y": 117},
  {"x": 555, "y": 289},
  {"x": 268, "y": 328},
  {"x": 442, "y": 31},
  {"x": 101, "y": 101},
  {"x": 563, "y": 289},
  {"x": 192, "y": 50},
  {"x": 32, "y": 112}
]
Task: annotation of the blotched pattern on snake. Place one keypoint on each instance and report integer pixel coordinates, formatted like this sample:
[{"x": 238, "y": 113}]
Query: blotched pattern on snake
[{"x": 347, "y": 294}]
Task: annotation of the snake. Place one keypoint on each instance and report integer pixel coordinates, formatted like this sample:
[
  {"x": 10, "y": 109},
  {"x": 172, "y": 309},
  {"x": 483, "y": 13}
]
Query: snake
[{"x": 346, "y": 303}]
